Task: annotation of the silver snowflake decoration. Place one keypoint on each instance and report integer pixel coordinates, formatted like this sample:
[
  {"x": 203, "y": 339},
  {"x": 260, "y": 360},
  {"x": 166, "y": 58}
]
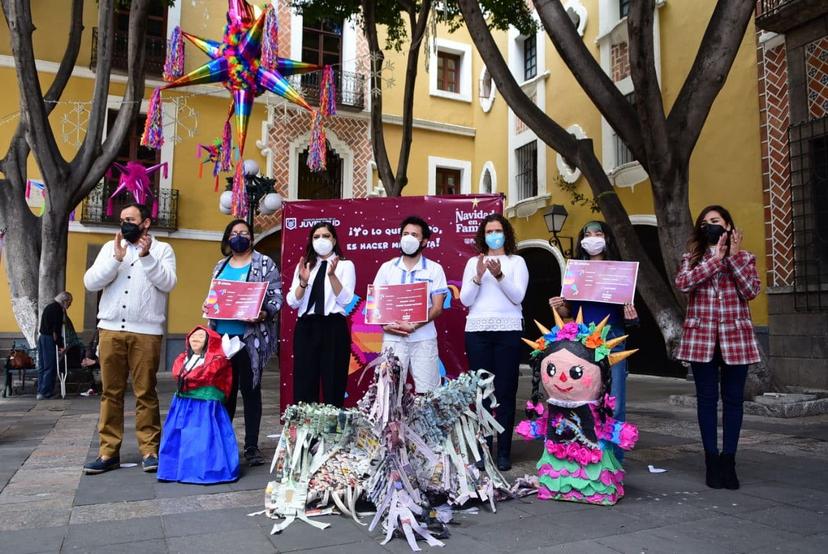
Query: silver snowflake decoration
[
  {"x": 184, "y": 122},
  {"x": 74, "y": 123}
]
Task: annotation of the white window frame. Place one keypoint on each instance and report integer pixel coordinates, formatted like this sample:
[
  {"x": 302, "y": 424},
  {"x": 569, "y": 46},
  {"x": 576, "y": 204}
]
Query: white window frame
[
  {"x": 583, "y": 16},
  {"x": 464, "y": 73},
  {"x": 486, "y": 101},
  {"x": 490, "y": 168},
  {"x": 464, "y": 166}
]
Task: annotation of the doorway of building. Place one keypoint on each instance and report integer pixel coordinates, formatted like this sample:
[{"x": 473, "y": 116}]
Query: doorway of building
[
  {"x": 651, "y": 358},
  {"x": 544, "y": 282},
  {"x": 320, "y": 185},
  {"x": 271, "y": 245}
]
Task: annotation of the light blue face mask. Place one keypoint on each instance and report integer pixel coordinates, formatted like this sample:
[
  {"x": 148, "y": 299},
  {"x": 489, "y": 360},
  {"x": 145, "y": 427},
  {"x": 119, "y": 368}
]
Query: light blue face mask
[{"x": 495, "y": 240}]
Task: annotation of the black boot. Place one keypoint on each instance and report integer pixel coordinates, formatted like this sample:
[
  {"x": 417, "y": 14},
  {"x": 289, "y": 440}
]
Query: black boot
[
  {"x": 728, "y": 465},
  {"x": 713, "y": 475}
]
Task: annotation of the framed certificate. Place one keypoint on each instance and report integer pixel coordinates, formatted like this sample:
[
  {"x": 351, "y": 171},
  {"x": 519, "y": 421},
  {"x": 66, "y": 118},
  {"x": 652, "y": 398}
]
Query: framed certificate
[
  {"x": 600, "y": 281},
  {"x": 389, "y": 303},
  {"x": 234, "y": 299}
]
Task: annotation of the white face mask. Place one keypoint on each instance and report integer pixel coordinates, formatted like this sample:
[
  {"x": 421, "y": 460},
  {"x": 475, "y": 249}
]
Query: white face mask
[
  {"x": 409, "y": 245},
  {"x": 593, "y": 245},
  {"x": 322, "y": 246}
]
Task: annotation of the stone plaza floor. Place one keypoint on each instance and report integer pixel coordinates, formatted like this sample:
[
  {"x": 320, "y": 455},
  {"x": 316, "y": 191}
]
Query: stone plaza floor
[{"x": 48, "y": 505}]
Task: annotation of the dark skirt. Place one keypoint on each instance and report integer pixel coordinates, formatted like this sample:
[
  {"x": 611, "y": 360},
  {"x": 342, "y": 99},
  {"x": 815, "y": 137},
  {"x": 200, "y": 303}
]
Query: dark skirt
[{"x": 198, "y": 444}]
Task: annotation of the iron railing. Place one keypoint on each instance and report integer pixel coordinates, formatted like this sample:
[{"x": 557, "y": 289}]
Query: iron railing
[
  {"x": 526, "y": 178},
  {"x": 93, "y": 208},
  {"x": 350, "y": 88},
  {"x": 782, "y": 15},
  {"x": 809, "y": 199},
  {"x": 155, "y": 51}
]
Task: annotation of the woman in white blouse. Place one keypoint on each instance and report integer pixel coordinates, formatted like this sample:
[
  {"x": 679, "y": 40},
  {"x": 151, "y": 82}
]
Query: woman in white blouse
[
  {"x": 323, "y": 286},
  {"x": 494, "y": 284}
]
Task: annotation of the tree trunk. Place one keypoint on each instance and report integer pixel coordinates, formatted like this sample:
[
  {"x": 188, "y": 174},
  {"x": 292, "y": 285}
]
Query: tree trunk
[
  {"x": 22, "y": 249},
  {"x": 53, "y": 253}
]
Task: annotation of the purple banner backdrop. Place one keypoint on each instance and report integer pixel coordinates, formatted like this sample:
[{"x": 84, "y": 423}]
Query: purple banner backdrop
[{"x": 368, "y": 230}]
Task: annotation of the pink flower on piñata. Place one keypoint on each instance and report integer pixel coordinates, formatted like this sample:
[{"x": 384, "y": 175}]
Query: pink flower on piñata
[
  {"x": 568, "y": 332},
  {"x": 609, "y": 401}
]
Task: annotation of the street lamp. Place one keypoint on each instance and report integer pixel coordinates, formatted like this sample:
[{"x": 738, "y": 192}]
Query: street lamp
[
  {"x": 259, "y": 191},
  {"x": 555, "y": 216}
]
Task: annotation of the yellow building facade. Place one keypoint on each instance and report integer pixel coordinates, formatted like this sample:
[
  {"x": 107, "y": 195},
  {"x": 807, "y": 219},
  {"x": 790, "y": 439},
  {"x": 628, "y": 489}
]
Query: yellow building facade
[{"x": 466, "y": 140}]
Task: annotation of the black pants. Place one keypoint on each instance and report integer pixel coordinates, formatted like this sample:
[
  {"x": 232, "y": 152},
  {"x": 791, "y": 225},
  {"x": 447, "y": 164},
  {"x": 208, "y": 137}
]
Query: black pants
[
  {"x": 733, "y": 377},
  {"x": 498, "y": 352},
  {"x": 251, "y": 397},
  {"x": 321, "y": 351}
]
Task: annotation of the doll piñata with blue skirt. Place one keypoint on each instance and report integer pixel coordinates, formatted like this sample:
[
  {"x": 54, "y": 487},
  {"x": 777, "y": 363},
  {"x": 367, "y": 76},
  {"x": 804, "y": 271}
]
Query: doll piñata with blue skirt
[{"x": 572, "y": 361}]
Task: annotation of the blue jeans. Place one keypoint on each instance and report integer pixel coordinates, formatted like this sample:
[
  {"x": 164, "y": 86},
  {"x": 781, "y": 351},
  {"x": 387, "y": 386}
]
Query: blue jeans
[
  {"x": 618, "y": 389},
  {"x": 499, "y": 353},
  {"x": 706, "y": 375},
  {"x": 46, "y": 365}
]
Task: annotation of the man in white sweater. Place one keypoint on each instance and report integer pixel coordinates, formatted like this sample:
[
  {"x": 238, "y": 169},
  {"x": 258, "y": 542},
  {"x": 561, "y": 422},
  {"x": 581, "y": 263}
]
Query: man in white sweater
[{"x": 135, "y": 273}]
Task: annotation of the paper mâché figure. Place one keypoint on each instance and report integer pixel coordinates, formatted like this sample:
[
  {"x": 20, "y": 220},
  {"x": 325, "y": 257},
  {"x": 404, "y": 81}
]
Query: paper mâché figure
[{"x": 572, "y": 361}]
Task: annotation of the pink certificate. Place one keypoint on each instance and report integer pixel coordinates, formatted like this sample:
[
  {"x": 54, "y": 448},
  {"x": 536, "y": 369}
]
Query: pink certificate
[
  {"x": 600, "y": 281},
  {"x": 389, "y": 303}
]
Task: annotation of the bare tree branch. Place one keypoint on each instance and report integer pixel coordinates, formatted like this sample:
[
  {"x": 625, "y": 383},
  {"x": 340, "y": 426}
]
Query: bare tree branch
[
  {"x": 589, "y": 74},
  {"x": 67, "y": 64},
  {"x": 384, "y": 170},
  {"x": 648, "y": 100},
  {"x": 418, "y": 22},
  {"x": 95, "y": 166},
  {"x": 33, "y": 110},
  {"x": 714, "y": 59}
]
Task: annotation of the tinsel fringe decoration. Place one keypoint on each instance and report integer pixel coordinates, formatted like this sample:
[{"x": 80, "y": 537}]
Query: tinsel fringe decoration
[
  {"x": 240, "y": 206},
  {"x": 270, "y": 39},
  {"x": 153, "y": 136},
  {"x": 226, "y": 147},
  {"x": 318, "y": 150},
  {"x": 327, "y": 98},
  {"x": 174, "y": 64}
]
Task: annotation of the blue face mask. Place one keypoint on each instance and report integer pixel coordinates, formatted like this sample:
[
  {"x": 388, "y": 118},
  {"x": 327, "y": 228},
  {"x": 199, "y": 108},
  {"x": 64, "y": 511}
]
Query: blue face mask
[{"x": 495, "y": 240}]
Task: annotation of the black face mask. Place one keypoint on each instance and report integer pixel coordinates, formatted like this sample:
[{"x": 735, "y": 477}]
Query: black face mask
[
  {"x": 713, "y": 232},
  {"x": 131, "y": 231},
  {"x": 239, "y": 244}
]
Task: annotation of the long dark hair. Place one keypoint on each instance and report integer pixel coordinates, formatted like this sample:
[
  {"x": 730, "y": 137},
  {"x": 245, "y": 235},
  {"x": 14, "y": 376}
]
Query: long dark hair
[
  {"x": 697, "y": 244},
  {"x": 610, "y": 250},
  {"x": 310, "y": 253},
  {"x": 225, "y": 238},
  {"x": 583, "y": 352},
  {"x": 509, "y": 246}
]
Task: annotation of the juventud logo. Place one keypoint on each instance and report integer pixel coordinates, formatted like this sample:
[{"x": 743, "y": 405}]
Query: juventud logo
[{"x": 290, "y": 223}]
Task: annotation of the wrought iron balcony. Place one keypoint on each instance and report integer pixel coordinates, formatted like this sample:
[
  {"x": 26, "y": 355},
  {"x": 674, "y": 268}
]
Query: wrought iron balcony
[
  {"x": 155, "y": 51},
  {"x": 350, "y": 88},
  {"x": 780, "y": 16},
  {"x": 93, "y": 208}
]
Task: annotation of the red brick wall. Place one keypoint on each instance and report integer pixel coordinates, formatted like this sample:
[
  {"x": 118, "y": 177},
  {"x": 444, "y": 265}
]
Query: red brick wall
[
  {"x": 776, "y": 171},
  {"x": 620, "y": 57}
]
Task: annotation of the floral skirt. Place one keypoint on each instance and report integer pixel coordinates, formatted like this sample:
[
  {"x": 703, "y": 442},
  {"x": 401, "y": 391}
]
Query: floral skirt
[{"x": 594, "y": 483}]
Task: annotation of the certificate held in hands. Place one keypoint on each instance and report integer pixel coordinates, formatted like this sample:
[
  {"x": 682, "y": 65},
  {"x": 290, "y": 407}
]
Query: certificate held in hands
[
  {"x": 234, "y": 300},
  {"x": 600, "y": 281},
  {"x": 389, "y": 303}
]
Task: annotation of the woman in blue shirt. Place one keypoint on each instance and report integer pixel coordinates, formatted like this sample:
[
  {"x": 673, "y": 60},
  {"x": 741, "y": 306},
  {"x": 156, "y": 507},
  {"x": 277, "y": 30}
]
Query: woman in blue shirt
[
  {"x": 242, "y": 263},
  {"x": 595, "y": 242}
]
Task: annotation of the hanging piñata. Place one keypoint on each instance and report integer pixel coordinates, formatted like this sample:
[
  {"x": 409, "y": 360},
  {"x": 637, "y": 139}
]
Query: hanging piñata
[
  {"x": 413, "y": 457},
  {"x": 236, "y": 62},
  {"x": 572, "y": 361},
  {"x": 135, "y": 179},
  {"x": 217, "y": 153}
]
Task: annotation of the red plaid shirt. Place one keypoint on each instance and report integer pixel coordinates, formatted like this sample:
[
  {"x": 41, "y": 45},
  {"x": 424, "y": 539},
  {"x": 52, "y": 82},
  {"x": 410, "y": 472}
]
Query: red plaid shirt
[{"x": 717, "y": 310}]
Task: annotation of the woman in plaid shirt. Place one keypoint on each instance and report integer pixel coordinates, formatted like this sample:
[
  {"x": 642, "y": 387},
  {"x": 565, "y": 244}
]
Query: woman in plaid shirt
[{"x": 720, "y": 278}]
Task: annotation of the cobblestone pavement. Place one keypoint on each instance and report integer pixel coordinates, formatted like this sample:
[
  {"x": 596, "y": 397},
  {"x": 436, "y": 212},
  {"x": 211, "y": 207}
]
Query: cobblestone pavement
[{"x": 48, "y": 505}]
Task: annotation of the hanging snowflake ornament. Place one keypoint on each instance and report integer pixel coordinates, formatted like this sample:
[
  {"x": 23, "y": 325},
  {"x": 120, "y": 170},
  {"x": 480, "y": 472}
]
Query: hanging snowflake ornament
[
  {"x": 74, "y": 123},
  {"x": 184, "y": 123}
]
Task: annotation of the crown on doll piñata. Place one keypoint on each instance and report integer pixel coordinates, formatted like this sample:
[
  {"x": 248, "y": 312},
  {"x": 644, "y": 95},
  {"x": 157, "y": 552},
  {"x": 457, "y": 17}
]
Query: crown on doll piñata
[{"x": 592, "y": 336}]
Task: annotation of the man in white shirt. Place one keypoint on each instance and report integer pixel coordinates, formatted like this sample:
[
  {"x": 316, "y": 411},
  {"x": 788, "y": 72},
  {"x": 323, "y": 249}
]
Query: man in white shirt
[
  {"x": 415, "y": 344},
  {"x": 135, "y": 273}
]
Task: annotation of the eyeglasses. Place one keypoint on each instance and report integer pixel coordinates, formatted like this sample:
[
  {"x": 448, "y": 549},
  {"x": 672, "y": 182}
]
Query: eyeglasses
[{"x": 244, "y": 234}]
